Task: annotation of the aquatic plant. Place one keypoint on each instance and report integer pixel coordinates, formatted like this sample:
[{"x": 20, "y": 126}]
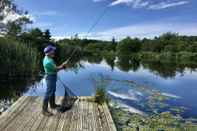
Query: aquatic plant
[
  {"x": 165, "y": 121},
  {"x": 100, "y": 85}
]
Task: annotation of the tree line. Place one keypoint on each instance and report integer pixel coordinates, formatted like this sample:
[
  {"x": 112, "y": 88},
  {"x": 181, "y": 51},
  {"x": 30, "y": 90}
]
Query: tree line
[{"x": 26, "y": 45}]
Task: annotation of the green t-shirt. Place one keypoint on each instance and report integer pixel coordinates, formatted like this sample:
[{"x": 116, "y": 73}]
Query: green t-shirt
[{"x": 49, "y": 66}]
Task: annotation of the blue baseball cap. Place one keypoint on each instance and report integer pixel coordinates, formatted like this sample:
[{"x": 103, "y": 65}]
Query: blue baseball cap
[{"x": 49, "y": 49}]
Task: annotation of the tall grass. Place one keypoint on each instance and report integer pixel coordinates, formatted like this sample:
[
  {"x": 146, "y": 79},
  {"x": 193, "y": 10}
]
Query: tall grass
[
  {"x": 17, "y": 59},
  {"x": 100, "y": 84}
]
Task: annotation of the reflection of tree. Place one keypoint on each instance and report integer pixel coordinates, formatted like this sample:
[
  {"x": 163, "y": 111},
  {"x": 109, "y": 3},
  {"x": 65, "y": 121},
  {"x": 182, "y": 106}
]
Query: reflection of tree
[
  {"x": 110, "y": 59},
  {"x": 110, "y": 62},
  {"x": 127, "y": 63},
  {"x": 164, "y": 69},
  {"x": 95, "y": 59},
  {"x": 13, "y": 88}
]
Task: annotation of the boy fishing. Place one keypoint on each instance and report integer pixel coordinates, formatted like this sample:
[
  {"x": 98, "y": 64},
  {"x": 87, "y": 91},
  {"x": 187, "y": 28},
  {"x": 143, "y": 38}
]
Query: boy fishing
[{"x": 51, "y": 70}]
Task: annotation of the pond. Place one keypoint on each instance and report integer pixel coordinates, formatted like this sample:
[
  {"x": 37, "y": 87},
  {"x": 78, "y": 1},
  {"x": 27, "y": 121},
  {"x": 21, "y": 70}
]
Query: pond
[{"x": 139, "y": 87}]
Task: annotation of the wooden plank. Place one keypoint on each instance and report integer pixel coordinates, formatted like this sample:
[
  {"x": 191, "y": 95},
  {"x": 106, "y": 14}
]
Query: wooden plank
[
  {"x": 19, "y": 119},
  {"x": 62, "y": 119},
  {"x": 26, "y": 115},
  {"x": 96, "y": 118},
  {"x": 102, "y": 117},
  {"x": 46, "y": 123},
  {"x": 84, "y": 115},
  {"x": 109, "y": 118},
  {"x": 34, "y": 117},
  {"x": 54, "y": 126},
  {"x": 37, "y": 122},
  {"x": 30, "y": 114},
  {"x": 13, "y": 109},
  {"x": 69, "y": 117},
  {"x": 54, "y": 120},
  {"x": 10, "y": 117},
  {"x": 73, "y": 117},
  {"x": 90, "y": 113}
]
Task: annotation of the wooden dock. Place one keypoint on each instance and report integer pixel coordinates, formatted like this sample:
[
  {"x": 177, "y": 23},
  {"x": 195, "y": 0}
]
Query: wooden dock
[{"x": 25, "y": 115}]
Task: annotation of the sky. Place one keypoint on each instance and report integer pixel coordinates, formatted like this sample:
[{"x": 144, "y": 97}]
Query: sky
[{"x": 119, "y": 18}]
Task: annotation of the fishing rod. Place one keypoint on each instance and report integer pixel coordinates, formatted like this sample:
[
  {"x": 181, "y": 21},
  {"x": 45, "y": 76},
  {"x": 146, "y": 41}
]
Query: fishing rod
[
  {"x": 68, "y": 91},
  {"x": 73, "y": 53},
  {"x": 89, "y": 30}
]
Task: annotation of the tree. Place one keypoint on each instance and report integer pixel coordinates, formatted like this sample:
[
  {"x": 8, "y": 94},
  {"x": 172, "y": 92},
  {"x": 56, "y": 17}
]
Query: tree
[
  {"x": 47, "y": 35},
  {"x": 7, "y": 6},
  {"x": 15, "y": 26},
  {"x": 128, "y": 45}
]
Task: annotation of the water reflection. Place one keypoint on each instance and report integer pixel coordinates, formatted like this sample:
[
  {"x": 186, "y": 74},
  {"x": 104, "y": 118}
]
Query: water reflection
[{"x": 155, "y": 79}]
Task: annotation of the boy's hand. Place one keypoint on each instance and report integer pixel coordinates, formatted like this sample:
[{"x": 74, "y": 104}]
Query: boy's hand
[{"x": 65, "y": 64}]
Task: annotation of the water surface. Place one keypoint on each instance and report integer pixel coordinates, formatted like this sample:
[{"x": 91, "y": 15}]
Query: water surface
[{"x": 136, "y": 87}]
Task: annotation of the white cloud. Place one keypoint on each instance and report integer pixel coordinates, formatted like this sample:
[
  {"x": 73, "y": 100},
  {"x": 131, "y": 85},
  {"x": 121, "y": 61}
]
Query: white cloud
[
  {"x": 148, "y": 4},
  {"x": 148, "y": 30},
  {"x": 12, "y": 16},
  {"x": 164, "y": 5},
  {"x": 56, "y": 38},
  {"x": 134, "y": 3}
]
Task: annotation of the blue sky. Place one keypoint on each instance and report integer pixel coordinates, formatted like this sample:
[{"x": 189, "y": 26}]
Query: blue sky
[{"x": 135, "y": 18}]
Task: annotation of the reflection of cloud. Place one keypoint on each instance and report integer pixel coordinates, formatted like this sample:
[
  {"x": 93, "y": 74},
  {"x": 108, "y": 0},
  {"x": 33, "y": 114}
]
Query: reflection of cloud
[
  {"x": 134, "y": 93},
  {"x": 171, "y": 95},
  {"x": 122, "y": 96},
  {"x": 129, "y": 108}
]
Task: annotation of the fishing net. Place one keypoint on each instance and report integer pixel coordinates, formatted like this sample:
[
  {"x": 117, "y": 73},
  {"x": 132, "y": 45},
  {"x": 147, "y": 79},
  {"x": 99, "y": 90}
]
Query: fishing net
[{"x": 69, "y": 97}]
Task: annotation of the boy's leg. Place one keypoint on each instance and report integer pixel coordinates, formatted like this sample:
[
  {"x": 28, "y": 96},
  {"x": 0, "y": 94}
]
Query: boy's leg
[{"x": 48, "y": 94}]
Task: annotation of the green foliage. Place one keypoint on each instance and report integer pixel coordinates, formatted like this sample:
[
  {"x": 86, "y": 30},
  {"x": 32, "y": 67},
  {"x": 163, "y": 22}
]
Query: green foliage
[
  {"x": 101, "y": 96},
  {"x": 36, "y": 39},
  {"x": 94, "y": 48},
  {"x": 9, "y": 6},
  {"x": 17, "y": 58},
  {"x": 128, "y": 46}
]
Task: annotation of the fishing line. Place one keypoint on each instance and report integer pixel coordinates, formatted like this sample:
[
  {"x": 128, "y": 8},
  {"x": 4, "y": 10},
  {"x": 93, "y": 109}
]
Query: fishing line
[
  {"x": 66, "y": 87},
  {"x": 90, "y": 30},
  {"x": 97, "y": 20}
]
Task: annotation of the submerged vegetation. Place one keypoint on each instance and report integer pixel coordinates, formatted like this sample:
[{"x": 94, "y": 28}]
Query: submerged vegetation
[
  {"x": 165, "y": 121},
  {"x": 154, "y": 114}
]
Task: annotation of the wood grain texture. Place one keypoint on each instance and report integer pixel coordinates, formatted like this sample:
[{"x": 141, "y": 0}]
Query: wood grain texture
[{"x": 85, "y": 115}]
